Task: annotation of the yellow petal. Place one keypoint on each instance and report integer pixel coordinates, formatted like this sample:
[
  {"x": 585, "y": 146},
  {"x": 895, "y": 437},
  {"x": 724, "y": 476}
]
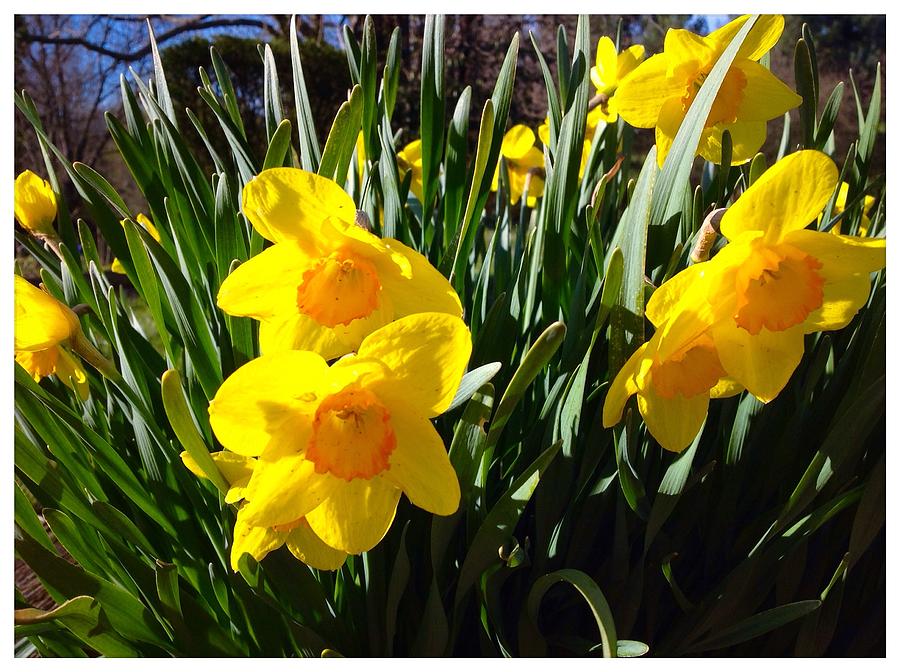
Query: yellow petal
[
  {"x": 847, "y": 262},
  {"x": 285, "y": 489},
  {"x": 622, "y": 387},
  {"x": 303, "y": 543},
  {"x": 661, "y": 306},
  {"x": 293, "y": 204},
  {"x": 72, "y": 374},
  {"x": 726, "y": 387},
  {"x": 116, "y": 266},
  {"x": 427, "y": 354},
  {"x": 671, "y": 115},
  {"x": 629, "y": 59},
  {"x": 356, "y": 515},
  {"x": 641, "y": 94},
  {"x": 605, "y": 74},
  {"x": 762, "y": 37},
  {"x": 544, "y": 132},
  {"x": 413, "y": 284},
  {"x": 41, "y": 321},
  {"x": 39, "y": 363},
  {"x": 266, "y": 399},
  {"x": 746, "y": 139},
  {"x": 673, "y": 422},
  {"x": 419, "y": 464},
  {"x": 235, "y": 469},
  {"x": 266, "y": 285},
  {"x": 35, "y": 203},
  {"x": 843, "y": 255},
  {"x": 252, "y": 539},
  {"x": 300, "y": 332},
  {"x": 144, "y": 221},
  {"x": 597, "y": 115},
  {"x": 762, "y": 363},
  {"x": 517, "y": 141},
  {"x": 683, "y": 47},
  {"x": 765, "y": 96},
  {"x": 411, "y": 153},
  {"x": 533, "y": 158},
  {"x": 787, "y": 197}
]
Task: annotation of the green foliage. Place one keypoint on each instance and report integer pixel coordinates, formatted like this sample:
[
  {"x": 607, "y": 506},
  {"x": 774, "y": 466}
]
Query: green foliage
[{"x": 745, "y": 544}]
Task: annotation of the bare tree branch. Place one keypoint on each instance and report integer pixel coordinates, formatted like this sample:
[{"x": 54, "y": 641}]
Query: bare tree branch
[{"x": 189, "y": 26}]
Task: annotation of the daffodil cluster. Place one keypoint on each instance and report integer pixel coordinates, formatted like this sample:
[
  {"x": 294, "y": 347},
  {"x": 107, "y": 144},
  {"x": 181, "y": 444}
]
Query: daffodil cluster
[
  {"x": 524, "y": 163},
  {"x": 317, "y": 455},
  {"x": 738, "y": 321}
]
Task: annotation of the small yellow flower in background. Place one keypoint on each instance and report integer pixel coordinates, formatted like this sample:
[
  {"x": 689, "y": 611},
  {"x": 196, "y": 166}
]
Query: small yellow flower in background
[
  {"x": 42, "y": 325},
  {"x": 673, "y": 389},
  {"x": 544, "y": 135},
  {"x": 523, "y": 162},
  {"x": 840, "y": 203},
  {"x": 410, "y": 159},
  {"x": 301, "y": 541},
  {"x": 35, "y": 204},
  {"x": 659, "y": 92},
  {"x": 337, "y": 445},
  {"x": 609, "y": 70},
  {"x": 326, "y": 283},
  {"x": 144, "y": 221}
]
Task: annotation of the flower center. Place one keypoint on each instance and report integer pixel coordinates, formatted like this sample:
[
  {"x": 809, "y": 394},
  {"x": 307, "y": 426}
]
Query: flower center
[
  {"x": 728, "y": 99},
  {"x": 338, "y": 289},
  {"x": 352, "y": 435},
  {"x": 777, "y": 288},
  {"x": 691, "y": 371}
]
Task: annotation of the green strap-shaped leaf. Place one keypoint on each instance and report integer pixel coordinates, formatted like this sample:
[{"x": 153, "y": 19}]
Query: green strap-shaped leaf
[
  {"x": 125, "y": 614},
  {"x": 756, "y": 625},
  {"x": 85, "y": 619},
  {"x": 182, "y": 421},
  {"x": 342, "y": 139},
  {"x": 309, "y": 144},
  {"x": 432, "y": 103},
  {"x": 279, "y": 146},
  {"x": 500, "y": 522},
  {"x": 627, "y": 316},
  {"x": 472, "y": 382},
  {"x": 531, "y": 643}
]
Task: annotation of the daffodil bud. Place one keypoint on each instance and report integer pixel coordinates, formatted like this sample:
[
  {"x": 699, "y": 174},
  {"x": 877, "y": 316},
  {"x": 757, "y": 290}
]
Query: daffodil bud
[
  {"x": 362, "y": 221},
  {"x": 35, "y": 205},
  {"x": 707, "y": 235}
]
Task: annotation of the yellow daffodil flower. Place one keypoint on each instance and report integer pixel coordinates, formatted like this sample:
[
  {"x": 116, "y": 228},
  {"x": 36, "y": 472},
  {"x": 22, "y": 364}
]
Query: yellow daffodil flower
[
  {"x": 410, "y": 159},
  {"x": 659, "y": 92},
  {"x": 301, "y": 541},
  {"x": 544, "y": 135},
  {"x": 326, "y": 283},
  {"x": 674, "y": 388},
  {"x": 35, "y": 204},
  {"x": 610, "y": 69},
  {"x": 840, "y": 203},
  {"x": 525, "y": 162},
  {"x": 144, "y": 221},
  {"x": 42, "y": 325},
  {"x": 337, "y": 445},
  {"x": 776, "y": 280}
]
